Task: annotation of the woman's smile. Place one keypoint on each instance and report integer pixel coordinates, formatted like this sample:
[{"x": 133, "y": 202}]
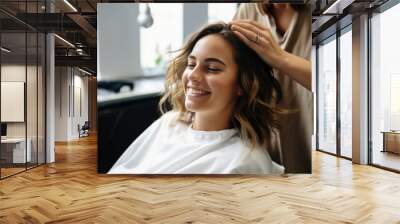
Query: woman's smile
[{"x": 196, "y": 92}]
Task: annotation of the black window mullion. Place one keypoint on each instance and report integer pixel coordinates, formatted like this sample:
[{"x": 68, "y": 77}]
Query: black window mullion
[
  {"x": 317, "y": 95},
  {"x": 338, "y": 73},
  {"x": 26, "y": 86},
  {"x": 37, "y": 90},
  {"x": 369, "y": 96}
]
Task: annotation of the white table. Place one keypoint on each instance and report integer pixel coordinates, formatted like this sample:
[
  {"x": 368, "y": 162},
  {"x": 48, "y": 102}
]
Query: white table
[{"x": 18, "y": 149}]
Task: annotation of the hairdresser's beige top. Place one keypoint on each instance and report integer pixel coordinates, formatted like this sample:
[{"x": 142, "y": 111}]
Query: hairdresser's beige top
[{"x": 297, "y": 128}]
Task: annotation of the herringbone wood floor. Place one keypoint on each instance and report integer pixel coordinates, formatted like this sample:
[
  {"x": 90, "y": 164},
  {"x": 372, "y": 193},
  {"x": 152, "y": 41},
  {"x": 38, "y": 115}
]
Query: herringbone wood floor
[{"x": 70, "y": 191}]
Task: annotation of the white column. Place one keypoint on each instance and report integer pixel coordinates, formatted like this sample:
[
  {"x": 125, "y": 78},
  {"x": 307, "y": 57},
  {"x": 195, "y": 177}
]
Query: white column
[
  {"x": 50, "y": 99},
  {"x": 360, "y": 90}
]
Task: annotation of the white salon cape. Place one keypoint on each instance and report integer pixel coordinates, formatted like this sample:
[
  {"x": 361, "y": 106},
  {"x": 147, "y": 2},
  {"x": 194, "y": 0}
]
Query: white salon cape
[{"x": 169, "y": 146}]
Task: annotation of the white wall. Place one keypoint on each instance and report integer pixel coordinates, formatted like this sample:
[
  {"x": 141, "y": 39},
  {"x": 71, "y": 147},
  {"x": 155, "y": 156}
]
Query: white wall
[
  {"x": 195, "y": 16},
  {"x": 15, "y": 72},
  {"x": 61, "y": 103},
  {"x": 80, "y": 99},
  {"x": 33, "y": 106},
  {"x": 69, "y": 82},
  {"x": 118, "y": 44}
]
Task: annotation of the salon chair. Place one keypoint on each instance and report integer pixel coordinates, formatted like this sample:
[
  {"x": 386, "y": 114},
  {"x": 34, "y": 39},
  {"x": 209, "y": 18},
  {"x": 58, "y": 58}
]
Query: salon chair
[{"x": 120, "y": 123}]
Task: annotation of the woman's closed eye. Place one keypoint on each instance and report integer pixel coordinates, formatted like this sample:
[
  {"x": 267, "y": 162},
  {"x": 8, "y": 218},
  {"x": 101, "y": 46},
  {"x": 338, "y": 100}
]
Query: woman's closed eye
[
  {"x": 191, "y": 65},
  {"x": 211, "y": 69}
]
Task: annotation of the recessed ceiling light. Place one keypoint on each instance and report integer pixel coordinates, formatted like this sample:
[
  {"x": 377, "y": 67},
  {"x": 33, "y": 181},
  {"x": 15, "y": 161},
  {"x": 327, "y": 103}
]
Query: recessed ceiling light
[
  {"x": 70, "y": 5},
  {"x": 64, "y": 40},
  {"x": 5, "y": 50},
  {"x": 337, "y": 7},
  {"x": 84, "y": 71}
]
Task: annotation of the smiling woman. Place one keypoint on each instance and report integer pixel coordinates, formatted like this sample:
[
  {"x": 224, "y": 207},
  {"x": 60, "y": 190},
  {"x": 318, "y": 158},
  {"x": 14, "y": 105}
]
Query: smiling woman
[{"x": 224, "y": 114}]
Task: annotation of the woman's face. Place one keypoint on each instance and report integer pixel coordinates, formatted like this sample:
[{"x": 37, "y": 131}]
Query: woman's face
[{"x": 210, "y": 78}]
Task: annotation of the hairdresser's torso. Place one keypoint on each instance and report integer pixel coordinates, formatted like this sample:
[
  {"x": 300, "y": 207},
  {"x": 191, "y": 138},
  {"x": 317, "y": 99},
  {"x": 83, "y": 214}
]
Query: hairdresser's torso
[{"x": 294, "y": 36}]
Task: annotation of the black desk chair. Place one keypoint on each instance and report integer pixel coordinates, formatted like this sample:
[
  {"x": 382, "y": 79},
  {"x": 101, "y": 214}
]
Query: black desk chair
[{"x": 84, "y": 130}]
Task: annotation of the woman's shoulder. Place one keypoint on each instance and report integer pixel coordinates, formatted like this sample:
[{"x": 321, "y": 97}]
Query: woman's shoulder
[
  {"x": 255, "y": 160},
  {"x": 171, "y": 119},
  {"x": 169, "y": 116}
]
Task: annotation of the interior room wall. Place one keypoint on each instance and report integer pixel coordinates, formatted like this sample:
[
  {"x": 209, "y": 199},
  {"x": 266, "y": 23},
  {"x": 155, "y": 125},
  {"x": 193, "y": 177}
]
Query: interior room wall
[
  {"x": 16, "y": 72},
  {"x": 92, "y": 98},
  {"x": 195, "y": 16},
  {"x": 62, "y": 80},
  {"x": 116, "y": 22},
  {"x": 32, "y": 126},
  {"x": 71, "y": 87},
  {"x": 80, "y": 109},
  {"x": 118, "y": 36}
]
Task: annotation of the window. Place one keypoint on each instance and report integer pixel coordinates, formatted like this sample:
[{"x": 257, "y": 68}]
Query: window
[
  {"x": 327, "y": 96},
  {"x": 385, "y": 88},
  {"x": 346, "y": 93},
  {"x": 221, "y": 11},
  {"x": 164, "y": 36}
]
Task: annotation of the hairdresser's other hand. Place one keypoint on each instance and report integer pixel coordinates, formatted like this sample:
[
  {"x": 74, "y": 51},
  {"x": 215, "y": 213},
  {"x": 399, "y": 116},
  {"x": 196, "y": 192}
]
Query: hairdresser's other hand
[{"x": 264, "y": 45}]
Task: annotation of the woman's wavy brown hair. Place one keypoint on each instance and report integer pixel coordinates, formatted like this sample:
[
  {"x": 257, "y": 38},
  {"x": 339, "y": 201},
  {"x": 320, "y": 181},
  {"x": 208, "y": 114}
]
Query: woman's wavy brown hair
[{"x": 256, "y": 112}]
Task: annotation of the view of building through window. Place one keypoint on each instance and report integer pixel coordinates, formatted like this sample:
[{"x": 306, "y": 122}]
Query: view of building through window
[
  {"x": 327, "y": 96},
  {"x": 385, "y": 87},
  {"x": 346, "y": 94}
]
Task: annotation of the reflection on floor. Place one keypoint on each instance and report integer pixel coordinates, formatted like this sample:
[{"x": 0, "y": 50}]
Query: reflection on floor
[
  {"x": 386, "y": 159},
  {"x": 346, "y": 152},
  {"x": 10, "y": 169}
]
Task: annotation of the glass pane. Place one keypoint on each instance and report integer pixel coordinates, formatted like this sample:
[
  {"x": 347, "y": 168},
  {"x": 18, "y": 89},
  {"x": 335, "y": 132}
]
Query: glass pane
[
  {"x": 385, "y": 86},
  {"x": 31, "y": 98},
  {"x": 314, "y": 90},
  {"x": 345, "y": 94},
  {"x": 164, "y": 36},
  {"x": 221, "y": 12},
  {"x": 327, "y": 97},
  {"x": 41, "y": 98},
  {"x": 13, "y": 87}
]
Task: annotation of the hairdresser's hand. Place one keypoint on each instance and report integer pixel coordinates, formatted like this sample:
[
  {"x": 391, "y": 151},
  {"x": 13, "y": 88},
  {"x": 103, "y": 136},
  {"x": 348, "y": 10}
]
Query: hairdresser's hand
[{"x": 260, "y": 39}]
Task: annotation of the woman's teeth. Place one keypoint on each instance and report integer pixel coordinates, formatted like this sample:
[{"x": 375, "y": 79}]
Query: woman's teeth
[{"x": 196, "y": 92}]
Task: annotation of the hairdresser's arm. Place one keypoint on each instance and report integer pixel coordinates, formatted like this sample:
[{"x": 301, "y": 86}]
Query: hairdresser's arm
[{"x": 298, "y": 68}]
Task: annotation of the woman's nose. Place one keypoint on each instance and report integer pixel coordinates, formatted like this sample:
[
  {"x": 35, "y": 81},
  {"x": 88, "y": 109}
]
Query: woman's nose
[{"x": 195, "y": 74}]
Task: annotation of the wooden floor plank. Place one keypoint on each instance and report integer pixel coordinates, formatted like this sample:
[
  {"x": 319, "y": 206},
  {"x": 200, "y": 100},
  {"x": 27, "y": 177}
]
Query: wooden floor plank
[{"x": 70, "y": 191}]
